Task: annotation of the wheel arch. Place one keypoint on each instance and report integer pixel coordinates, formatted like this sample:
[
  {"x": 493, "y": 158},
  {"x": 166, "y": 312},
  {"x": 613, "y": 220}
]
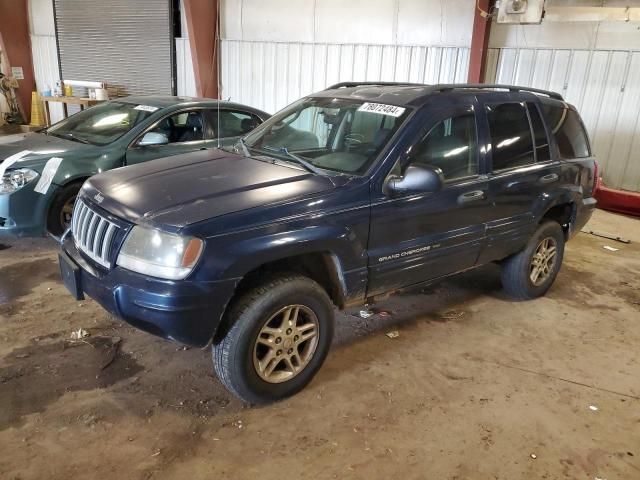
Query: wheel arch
[{"x": 321, "y": 266}]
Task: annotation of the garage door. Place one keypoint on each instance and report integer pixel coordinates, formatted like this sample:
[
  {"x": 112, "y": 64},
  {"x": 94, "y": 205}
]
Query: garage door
[{"x": 129, "y": 45}]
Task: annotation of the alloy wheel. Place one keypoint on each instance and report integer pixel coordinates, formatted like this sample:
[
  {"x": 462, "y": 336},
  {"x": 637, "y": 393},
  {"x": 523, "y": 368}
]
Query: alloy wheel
[
  {"x": 286, "y": 343},
  {"x": 543, "y": 261}
]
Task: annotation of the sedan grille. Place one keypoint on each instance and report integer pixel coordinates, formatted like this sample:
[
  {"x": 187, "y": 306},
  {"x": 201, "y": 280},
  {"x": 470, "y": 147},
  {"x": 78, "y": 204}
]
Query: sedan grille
[{"x": 93, "y": 233}]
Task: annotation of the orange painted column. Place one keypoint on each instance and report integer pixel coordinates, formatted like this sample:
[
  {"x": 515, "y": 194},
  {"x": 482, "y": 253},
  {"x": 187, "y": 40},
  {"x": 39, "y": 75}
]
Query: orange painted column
[
  {"x": 16, "y": 45},
  {"x": 203, "y": 24},
  {"x": 479, "y": 42}
]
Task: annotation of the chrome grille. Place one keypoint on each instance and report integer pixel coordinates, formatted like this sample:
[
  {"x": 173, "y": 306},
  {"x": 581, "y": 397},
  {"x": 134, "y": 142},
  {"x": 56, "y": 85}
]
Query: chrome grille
[{"x": 92, "y": 233}]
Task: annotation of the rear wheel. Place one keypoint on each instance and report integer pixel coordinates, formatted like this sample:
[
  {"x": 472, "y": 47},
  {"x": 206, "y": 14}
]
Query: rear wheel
[
  {"x": 279, "y": 337},
  {"x": 531, "y": 272},
  {"x": 61, "y": 210}
]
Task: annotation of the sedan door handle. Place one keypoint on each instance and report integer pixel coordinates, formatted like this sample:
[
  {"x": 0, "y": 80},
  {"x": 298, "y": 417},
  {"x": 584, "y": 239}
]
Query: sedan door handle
[
  {"x": 552, "y": 177},
  {"x": 473, "y": 196}
]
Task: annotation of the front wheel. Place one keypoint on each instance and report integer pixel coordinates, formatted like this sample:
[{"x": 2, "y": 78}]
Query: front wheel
[
  {"x": 279, "y": 337},
  {"x": 531, "y": 272},
  {"x": 61, "y": 210}
]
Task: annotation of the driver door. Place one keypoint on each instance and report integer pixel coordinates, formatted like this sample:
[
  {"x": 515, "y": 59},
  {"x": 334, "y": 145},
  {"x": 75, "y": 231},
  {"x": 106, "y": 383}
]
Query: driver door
[
  {"x": 181, "y": 132},
  {"x": 416, "y": 237}
]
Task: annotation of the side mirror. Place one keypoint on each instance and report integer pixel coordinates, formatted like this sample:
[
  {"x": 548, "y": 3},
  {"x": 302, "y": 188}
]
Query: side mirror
[
  {"x": 153, "y": 138},
  {"x": 416, "y": 179}
]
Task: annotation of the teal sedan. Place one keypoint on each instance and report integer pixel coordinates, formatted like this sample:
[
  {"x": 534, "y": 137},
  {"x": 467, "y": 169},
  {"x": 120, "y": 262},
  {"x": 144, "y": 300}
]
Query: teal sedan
[{"x": 42, "y": 172}]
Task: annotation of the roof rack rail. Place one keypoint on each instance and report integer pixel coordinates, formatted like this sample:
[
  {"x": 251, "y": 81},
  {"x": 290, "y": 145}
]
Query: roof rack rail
[
  {"x": 482, "y": 86},
  {"x": 374, "y": 84}
]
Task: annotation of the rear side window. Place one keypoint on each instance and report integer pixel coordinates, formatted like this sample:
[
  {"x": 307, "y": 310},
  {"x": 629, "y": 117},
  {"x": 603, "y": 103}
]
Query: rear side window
[
  {"x": 540, "y": 135},
  {"x": 511, "y": 142},
  {"x": 568, "y": 131},
  {"x": 231, "y": 123}
]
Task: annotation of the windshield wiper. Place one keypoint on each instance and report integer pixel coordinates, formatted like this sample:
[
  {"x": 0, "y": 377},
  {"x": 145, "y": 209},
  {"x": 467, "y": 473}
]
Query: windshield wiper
[
  {"x": 70, "y": 136},
  {"x": 298, "y": 159}
]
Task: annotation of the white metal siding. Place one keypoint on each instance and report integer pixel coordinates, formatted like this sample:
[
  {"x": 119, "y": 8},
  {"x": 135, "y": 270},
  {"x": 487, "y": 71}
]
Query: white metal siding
[
  {"x": 271, "y": 75},
  {"x": 45, "y": 67},
  {"x": 185, "y": 81},
  {"x": 604, "y": 85}
]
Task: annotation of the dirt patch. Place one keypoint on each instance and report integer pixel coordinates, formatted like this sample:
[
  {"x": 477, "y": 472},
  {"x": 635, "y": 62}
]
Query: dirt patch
[
  {"x": 20, "y": 279},
  {"x": 42, "y": 372}
]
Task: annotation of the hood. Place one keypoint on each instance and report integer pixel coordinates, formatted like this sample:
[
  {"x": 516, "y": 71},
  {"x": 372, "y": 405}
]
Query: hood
[
  {"x": 41, "y": 146},
  {"x": 185, "y": 189}
]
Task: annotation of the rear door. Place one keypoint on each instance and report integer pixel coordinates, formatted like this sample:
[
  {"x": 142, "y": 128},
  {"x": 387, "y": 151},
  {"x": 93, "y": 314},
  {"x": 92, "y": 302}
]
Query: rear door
[
  {"x": 521, "y": 170},
  {"x": 418, "y": 237},
  {"x": 184, "y": 132}
]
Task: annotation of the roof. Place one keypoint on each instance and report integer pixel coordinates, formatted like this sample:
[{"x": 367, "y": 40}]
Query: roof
[
  {"x": 414, "y": 94},
  {"x": 164, "y": 101}
]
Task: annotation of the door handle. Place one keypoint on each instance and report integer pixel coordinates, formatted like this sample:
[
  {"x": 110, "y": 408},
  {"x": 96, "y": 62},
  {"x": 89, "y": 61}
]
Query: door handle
[
  {"x": 552, "y": 177},
  {"x": 473, "y": 196}
]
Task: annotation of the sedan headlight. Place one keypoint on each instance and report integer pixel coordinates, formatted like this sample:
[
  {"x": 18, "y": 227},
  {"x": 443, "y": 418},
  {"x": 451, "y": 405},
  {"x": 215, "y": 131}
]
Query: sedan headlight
[
  {"x": 14, "y": 180},
  {"x": 159, "y": 254}
]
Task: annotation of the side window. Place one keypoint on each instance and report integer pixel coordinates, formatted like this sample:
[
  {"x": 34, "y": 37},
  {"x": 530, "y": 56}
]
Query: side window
[
  {"x": 231, "y": 123},
  {"x": 539, "y": 134},
  {"x": 451, "y": 146},
  {"x": 568, "y": 131},
  {"x": 181, "y": 127},
  {"x": 511, "y": 142}
]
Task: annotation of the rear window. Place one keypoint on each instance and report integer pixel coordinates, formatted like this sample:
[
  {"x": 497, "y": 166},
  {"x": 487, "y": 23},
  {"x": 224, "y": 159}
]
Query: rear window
[{"x": 568, "y": 131}]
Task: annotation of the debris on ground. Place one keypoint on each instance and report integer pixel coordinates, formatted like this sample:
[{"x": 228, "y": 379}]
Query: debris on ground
[
  {"x": 365, "y": 313},
  {"x": 111, "y": 351},
  {"x": 611, "y": 249},
  {"x": 79, "y": 334},
  {"x": 593, "y": 408},
  {"x": 534, "y": 456},
  {"x": 609, "y": 236},
  {"x": 237, "y": 424},
  {"x": 452, "y": 315},
  {"x": 393, "y": 334}
]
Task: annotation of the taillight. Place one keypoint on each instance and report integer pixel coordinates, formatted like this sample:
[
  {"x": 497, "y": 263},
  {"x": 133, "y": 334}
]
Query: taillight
[{"x": 596, "y": 179}]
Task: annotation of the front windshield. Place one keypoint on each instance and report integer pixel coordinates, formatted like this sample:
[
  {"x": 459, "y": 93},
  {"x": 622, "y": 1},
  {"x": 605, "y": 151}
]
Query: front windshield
[
  {"x": 102, "y": 124},
  {"x": 341, "y": 135}
]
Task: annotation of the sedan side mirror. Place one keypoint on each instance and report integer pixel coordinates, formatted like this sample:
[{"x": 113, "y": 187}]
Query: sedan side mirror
[
  {"x": 416, "y": 179},
  {"x": 153, "y": 138}
]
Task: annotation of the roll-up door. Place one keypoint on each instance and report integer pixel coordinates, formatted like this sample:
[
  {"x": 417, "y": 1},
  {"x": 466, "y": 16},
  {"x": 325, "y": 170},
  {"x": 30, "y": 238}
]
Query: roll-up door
[{"x": 127, "y": 44}]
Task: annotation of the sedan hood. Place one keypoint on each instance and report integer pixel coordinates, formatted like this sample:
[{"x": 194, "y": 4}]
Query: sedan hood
[
  {"x": 40, "y": 146},
  {"x": 177, "y": 191}
]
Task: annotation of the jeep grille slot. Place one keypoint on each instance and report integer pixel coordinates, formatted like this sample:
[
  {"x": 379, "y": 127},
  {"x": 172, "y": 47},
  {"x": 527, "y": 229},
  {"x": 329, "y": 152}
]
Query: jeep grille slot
[{"x": 92, "y": 233}]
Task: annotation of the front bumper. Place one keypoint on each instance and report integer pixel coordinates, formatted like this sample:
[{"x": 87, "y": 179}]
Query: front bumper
[
  {"x": 184, "y": 311},
  {"x": 24, "y": 213}
]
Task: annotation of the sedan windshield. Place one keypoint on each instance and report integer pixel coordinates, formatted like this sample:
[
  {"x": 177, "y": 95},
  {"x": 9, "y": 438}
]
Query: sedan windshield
[
  {"x": 340, "y": 135},
  {"x": 102, "y": 124}
]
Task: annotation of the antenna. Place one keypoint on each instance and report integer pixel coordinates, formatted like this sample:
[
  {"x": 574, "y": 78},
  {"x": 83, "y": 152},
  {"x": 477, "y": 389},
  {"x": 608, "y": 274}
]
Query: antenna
[{"x": 216, "y": 53}]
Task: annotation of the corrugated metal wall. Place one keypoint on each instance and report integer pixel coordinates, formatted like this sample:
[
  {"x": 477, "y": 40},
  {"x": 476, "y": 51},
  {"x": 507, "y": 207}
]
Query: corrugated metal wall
[
  {"x": 604, "y": 85},
  {"x": 126, "y": 44},
  {"x": 271, "y": 75},
  {"x": 185, "y": 81},
  {"x": 45, "y": 67}
]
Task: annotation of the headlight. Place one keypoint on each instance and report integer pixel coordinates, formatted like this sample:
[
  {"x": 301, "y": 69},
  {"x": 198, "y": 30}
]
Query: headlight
[
  {"x": 159, "y": 254},
  {"x": 14, "y": 180}
]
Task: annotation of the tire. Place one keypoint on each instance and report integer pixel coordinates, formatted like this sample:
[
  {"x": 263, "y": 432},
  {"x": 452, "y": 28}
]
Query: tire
[
  {"x": 56, "y": 221},
  {"x": 518, "y": 270},
  {"x": 257, "y": 334}
]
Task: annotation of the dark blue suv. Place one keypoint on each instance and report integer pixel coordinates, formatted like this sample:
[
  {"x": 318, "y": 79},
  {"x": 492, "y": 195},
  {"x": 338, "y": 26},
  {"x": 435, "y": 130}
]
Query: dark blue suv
[{"x": 345, "y": 195}]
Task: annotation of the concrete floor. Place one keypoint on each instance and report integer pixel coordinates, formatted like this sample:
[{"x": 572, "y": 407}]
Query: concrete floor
[{"x": 474, "y": 387}]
